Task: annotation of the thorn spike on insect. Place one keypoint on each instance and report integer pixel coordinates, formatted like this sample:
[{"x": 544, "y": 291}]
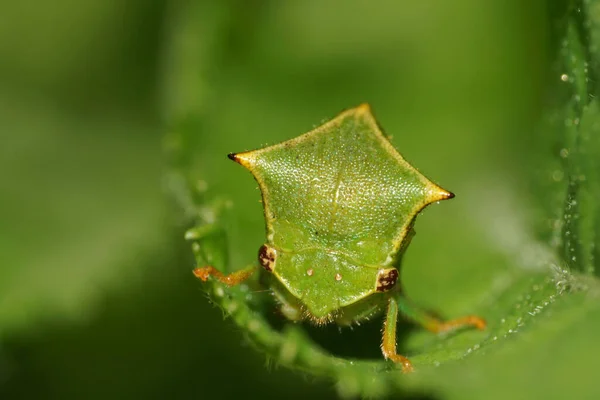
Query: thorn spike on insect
[{"x": 340, "y": 203}]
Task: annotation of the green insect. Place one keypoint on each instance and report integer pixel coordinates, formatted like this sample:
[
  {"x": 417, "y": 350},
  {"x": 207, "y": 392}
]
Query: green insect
[{"x": 340, "y": 203}]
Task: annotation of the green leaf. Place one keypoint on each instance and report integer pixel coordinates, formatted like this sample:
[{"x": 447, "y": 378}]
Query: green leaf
[{"x": 525, "y": 259}]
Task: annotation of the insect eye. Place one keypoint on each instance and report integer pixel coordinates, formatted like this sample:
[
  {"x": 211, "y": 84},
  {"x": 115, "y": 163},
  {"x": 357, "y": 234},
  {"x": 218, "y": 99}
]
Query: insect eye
[
  {"x": 266, "y": 257},
  {"x": 386, "y": 279}
]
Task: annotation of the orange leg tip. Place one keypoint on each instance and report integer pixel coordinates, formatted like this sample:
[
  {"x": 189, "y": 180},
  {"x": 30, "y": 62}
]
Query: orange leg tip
[
  {"x": 230, "y": 280},
  {"x": 471, "y": 320},
  {"x": 202, "y": 273},
  {"x": 479, "y": 323},
  {"x": 475, "y": 322},
  {"x": 407, "y": 366}
]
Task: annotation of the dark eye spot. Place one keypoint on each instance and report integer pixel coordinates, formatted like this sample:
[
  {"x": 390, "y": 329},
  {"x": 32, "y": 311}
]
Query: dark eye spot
[
  {"x": 387, "y": 279},
  {"x": 266, "y": 257}
]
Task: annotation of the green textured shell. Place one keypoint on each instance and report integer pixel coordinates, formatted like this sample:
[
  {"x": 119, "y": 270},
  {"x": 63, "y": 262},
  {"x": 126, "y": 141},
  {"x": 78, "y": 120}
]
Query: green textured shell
[{"x": 339, "y": 202}]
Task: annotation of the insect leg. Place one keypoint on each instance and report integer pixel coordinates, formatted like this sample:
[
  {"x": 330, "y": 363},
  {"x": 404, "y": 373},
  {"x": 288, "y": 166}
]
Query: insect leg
[
  {"x": 204, "y": 250},
  {"x": 434, "y": 324},
  {"x": 232, "y": 279},
  {"x": 388, "y": 345}
]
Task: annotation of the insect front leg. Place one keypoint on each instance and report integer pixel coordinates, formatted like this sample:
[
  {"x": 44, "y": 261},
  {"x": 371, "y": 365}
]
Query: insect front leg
[
  {"x": 388, "y": 345},
  {"x": 432, "y": 323},
  {"x": 231, "y": 279},
  {"x": 206, "y": 252}
]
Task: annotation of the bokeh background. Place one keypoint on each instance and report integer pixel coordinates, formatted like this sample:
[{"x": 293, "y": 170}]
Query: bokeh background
[{"x": 96, "y": 295}]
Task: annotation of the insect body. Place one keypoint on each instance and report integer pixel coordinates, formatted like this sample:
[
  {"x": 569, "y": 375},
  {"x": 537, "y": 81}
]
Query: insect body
[{"x": 339, "y": 204}]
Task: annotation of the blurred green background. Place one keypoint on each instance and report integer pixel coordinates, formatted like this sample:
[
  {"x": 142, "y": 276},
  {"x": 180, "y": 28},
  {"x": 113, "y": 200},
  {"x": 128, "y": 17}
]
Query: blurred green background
[{"x": 97, "y": 298}]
